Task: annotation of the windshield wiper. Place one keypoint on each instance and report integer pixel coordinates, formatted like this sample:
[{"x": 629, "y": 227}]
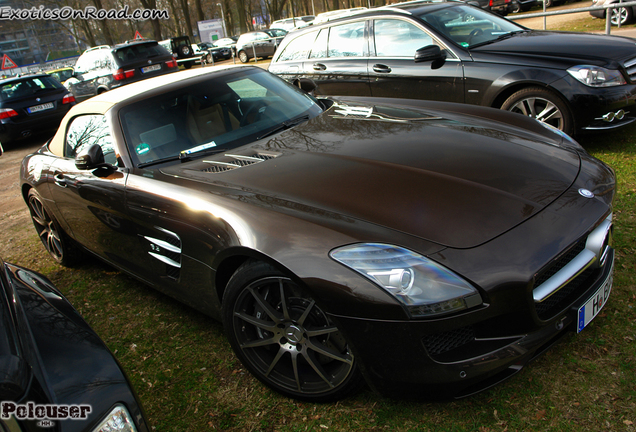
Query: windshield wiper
[
  {"x": 284, "y": 126},
  {"x": 181, "y": 157},
  {"x": 499, "y": 38}
]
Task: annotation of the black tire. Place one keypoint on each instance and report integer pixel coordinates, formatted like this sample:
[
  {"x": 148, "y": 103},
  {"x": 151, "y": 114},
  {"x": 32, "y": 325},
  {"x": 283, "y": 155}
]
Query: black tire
[
  {"x": 242, "y": 55},
  {"x": 283, "y": 337},
  {"x": 516, "y": 7},
  {"x": 543, "y": 105},
  {"x": 549, "y": 3},
  {"x": 187, "y": 65},
  {"x": 57, "y": 243},
  {"x": 209, "y": 58},
  {"x": 626, "y": 15}
]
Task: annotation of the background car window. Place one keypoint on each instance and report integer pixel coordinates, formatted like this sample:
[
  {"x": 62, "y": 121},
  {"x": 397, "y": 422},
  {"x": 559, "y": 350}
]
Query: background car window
[
  {"x": 298, "y": 49},
  {"x": 347, "y": 40},
  {"x": 27, "y": 87},
  {"x": 319, "y": 50},
  {"x": 133, "y": 53},
  {"x": 396, "y": 38},
  {"x": 86, "y": 130}
]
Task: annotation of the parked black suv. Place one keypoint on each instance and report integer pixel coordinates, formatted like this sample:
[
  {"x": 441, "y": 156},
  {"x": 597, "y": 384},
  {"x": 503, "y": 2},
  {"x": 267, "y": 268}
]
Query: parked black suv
[
  {"x": 455, "y": 52},
  {"x": 103, "y": 68},
  {"x": 182, "y": 50}
]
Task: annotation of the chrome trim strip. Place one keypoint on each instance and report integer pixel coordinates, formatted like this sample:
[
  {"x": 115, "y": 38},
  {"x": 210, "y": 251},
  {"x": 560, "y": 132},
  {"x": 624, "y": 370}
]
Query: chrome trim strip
[
  {"x": 623, "y": 122},
  {"x": 163, "y": 244},
  {"x": 594, "y": 254},
  {"x": 165, "y": 259},
  {"x": 574, "y": 268}
]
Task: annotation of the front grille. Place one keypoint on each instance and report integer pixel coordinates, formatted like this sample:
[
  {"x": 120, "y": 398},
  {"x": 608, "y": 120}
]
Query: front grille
[
  {"x": 630, "y": 66},
  {"x": 559, "y": 263},
  {"x": 441, "y": 343},
  {"x": 561, "y": 299},
  {"x": 572, "y": 273}
]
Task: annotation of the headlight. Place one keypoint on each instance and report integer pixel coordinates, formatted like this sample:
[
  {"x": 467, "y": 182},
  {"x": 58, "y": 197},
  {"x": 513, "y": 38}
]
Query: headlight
[
  {"x": 424, "y": 287},
  {"x": 595, "y": 76},
  {"x": 117, "y": 421}
]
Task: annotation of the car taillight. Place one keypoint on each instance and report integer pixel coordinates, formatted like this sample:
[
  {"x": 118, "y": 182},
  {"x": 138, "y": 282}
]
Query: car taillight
[
  {"x": 122, "y": 74},
  {"x": 172, "y": 63},
  {"x": 7, "y": 112},
  {"x": 69, "y": 98}
]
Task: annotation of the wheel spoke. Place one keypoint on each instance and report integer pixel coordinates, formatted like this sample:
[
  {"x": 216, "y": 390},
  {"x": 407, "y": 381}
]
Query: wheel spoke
[
  {"x": 296, "y": 374},
  {"x": 328, "y": 352},
  {"x": 271, "y": 312},
  {"x": 549, "y": 112},
  {"x": 264, "y": 325},
  {"x": 260, "y": 342},
  {"x": 305, "y": 314},
  {"x": 317, "y": 368},
  {"x": 283, "y": 300},
  {"x": 279, "y": 355},
  {"x": 321, "y": 331}
]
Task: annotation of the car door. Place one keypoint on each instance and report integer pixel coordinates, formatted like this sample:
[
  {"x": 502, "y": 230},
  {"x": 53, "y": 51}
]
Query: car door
[
  {"x": 393, "y": 71},
  {"x": 92, "y": 202},
  {"x": 338, "y": 60}
]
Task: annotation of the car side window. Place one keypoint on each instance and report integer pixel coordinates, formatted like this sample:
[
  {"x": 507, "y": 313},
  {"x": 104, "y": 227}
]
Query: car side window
[
  {"x": 298, "y": 49},
  {"x": 86, "y": 130},
  {"x": 319, "y": 50},
  {"x": 397, "y": 38},
  {"x": 347, "y": 40}
]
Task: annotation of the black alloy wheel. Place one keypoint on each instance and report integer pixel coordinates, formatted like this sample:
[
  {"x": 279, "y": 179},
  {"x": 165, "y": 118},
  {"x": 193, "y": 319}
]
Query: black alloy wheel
[
  {"x": 623, "y": 15},
  {"x": 56, "y": 242},
  {"x": 243, "y": 56},
  {"x": 284, "y": 338}
]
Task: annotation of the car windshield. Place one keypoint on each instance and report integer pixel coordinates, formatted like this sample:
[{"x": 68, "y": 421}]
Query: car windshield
[
  {"x": 27, "y": 87},
  {"x": 469, "y": 26},
  {"x": 229, "y": 109}
]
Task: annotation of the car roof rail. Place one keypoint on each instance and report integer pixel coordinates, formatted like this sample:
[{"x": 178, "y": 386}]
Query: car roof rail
[{"x": 97, "y": 48}]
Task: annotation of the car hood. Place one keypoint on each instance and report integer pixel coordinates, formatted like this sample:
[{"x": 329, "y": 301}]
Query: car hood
[
  {"x": 452, "y": 179},
  {"x": 595, "y": 49}
]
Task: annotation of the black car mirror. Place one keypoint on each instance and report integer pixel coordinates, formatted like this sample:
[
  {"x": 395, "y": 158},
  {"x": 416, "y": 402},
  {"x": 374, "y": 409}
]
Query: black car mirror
[
  {"x": 429, "y": 53},
  {"x": 15, "y": 377},
  {"x": 305, "y": 84},
  {"x": 90, "y": 158}
]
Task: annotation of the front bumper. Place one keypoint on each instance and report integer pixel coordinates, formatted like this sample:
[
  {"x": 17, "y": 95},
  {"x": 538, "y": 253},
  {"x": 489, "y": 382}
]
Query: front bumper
[
  {"x": 416, "y": 359},
  {"x": 589, "y": 105}
]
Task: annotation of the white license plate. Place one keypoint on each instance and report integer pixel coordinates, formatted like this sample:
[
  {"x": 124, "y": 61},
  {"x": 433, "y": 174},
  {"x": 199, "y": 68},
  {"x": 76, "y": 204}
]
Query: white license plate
[
  {"x": 150, "y": 68},
  {"x": 42, "y": 107},
  {"x": 593, "y": 306}
]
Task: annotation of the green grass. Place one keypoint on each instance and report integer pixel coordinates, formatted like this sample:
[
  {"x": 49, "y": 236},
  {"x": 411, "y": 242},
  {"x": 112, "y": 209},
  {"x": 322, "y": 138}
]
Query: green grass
[{"x": 189, "y": 380}]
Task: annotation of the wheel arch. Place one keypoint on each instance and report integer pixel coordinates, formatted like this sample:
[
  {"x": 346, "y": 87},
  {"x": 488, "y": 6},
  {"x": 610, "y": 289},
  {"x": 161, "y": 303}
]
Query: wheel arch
[{"x": 228, "y": 262}]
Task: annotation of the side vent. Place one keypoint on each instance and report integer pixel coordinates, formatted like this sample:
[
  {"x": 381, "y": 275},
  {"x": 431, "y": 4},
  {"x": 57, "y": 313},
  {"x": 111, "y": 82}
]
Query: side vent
[
  {"x": 167, "y": 249},
  {"x": 230, "y": 162}
]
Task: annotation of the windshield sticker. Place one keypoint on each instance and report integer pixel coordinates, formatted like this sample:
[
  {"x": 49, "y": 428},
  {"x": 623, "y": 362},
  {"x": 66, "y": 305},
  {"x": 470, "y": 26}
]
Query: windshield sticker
[
  {"x": 199, "y": 148},
  {"x": 142, "y": 148}
]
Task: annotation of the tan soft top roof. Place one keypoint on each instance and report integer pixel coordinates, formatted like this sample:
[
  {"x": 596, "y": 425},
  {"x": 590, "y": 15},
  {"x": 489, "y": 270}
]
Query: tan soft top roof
[{"x": 100, "y": 104}]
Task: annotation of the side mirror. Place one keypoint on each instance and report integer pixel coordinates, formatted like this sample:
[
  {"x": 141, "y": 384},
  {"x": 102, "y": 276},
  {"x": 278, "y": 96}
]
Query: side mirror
[
  {"x": 429, "y": 53},
  {"x": 90, "y": 158},
  {"x": 305, "y": 84},
  {"x": 15, "y": 377}
]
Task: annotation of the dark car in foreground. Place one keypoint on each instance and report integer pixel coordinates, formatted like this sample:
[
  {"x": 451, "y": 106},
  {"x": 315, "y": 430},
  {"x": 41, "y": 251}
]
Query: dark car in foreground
[
  {"x": 432, "y": 249},
  {"x": 451, "y": 51},
  {"x": 103, "y": 68},
  {"x": 31, "y": 104}
]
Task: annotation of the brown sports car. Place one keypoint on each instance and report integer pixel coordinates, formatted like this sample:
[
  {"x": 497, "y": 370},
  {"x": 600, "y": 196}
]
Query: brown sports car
[{"x": 423, "y": 247}]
